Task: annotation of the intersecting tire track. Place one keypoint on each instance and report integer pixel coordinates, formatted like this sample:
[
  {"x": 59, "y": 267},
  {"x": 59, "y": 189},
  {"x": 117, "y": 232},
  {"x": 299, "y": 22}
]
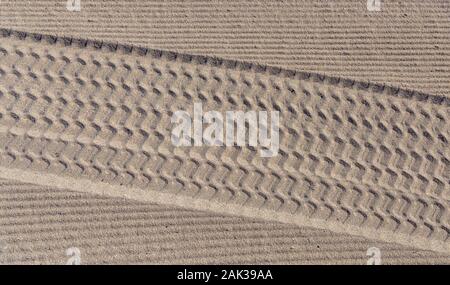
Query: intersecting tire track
[{"x": 351, "y": 153}]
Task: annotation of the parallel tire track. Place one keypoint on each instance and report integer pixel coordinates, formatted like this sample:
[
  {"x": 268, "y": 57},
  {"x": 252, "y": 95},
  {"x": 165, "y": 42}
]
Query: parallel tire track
[{"x": 354, "y": 157}]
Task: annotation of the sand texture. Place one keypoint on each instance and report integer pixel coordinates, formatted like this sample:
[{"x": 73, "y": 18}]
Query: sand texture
[
  {"x": 405, "y": 44},
  {"x": 85, "y": 153},
  {"x": 355, "y": 158},
  {"x": 39, "y": 223}
]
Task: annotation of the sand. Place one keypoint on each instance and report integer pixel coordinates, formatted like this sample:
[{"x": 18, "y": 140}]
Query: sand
[
  {"x": 406, "y": 44},
  {"x": 39, "y": 223},
  {"x": 360, "y": 164}
]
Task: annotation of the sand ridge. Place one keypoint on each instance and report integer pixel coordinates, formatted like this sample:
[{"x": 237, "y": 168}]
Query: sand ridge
[{"x": 356, "y": 158}]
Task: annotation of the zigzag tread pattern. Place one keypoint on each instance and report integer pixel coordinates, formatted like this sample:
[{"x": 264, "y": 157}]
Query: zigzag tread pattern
[
  {"x": 351, "y": 153},
  {"x": 39, "y": 223}
]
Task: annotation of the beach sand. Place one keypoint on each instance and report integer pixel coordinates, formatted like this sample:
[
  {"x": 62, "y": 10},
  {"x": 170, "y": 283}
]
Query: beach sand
[{"x": 87, "y": 161}]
